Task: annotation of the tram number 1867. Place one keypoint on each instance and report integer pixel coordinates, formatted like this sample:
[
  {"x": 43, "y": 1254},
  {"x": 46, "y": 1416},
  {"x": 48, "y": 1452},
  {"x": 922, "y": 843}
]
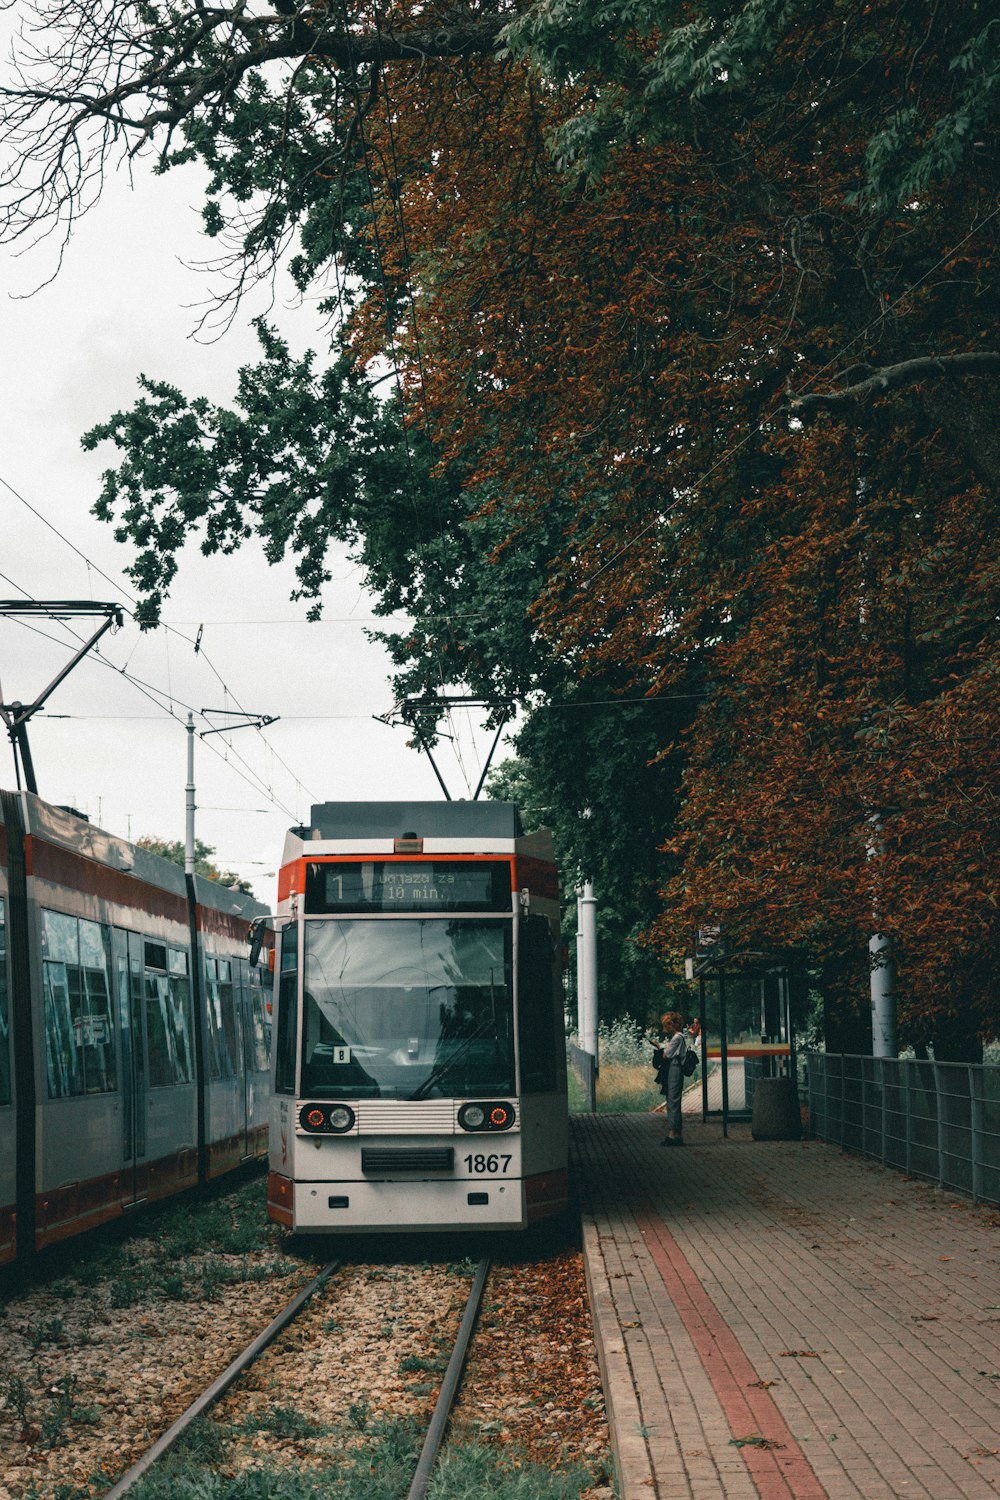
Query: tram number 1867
[{"x": 492, "y": 1164}]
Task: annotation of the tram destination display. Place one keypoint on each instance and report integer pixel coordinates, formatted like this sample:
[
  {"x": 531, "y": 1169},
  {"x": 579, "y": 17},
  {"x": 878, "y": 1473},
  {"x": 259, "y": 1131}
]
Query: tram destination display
[{"x": 407, "y": 886}]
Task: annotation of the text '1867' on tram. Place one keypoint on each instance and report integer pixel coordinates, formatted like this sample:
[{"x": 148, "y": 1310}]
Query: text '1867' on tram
[{"x": 419, "y": 1065}]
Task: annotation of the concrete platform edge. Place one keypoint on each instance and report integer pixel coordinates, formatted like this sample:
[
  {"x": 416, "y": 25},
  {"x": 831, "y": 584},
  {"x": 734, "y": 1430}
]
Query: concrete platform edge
[{"x": 634, "y": 1472}]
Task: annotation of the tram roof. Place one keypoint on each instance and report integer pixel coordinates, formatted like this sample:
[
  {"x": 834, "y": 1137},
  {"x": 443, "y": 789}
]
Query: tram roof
[{"x": 393, "y": 820}]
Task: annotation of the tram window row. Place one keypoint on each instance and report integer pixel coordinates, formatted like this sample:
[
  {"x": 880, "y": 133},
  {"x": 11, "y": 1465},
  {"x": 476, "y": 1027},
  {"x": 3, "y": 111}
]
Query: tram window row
[
  {"x": 134, "y": 1033},
  {"x": 4, "y": 1011}
]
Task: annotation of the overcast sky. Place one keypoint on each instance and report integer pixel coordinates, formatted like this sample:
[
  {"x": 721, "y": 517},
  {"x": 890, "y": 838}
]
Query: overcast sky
[{"x": 123, "y": 303}]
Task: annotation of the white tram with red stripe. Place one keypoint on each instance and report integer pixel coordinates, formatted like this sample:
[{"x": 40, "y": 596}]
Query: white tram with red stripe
[
  {"x": 134, "y": 1034},
  {"x": 419, "y": 1070}
]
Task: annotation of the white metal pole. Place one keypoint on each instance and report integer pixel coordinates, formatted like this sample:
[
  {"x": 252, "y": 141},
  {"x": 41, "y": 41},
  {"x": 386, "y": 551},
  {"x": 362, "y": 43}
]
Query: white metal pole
[
  {"x": 189, "y": 790},
  {"x": 581, "y": 999},
  {"x": 588, "y": 929},
  {"x": 883, "y": 964},
  {"x": 883, "y": 992}
]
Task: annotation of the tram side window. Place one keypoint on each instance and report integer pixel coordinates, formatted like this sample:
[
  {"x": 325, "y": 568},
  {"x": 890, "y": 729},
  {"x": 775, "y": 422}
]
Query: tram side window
[
  {"x": 260, "y": 1021},
  {"x": 79, "y": 1029},
  {"x": 535, "y": 1012},
  {"x": 288, "y": 1012},
  {"x": 168, "y": 1016},
  {"x": 4, "y": 1011},
  {"x": 223, "y": 1043}
]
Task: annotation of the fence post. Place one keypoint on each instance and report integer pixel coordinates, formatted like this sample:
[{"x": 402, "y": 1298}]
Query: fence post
[
  {"x": 843, "y": 1097},
  {"x": 909, "y": 1134},
  {"x": 976, "y": 1121},
  {"x": 885, "y": 1123},
  {"x": 940, "y": 1123}
]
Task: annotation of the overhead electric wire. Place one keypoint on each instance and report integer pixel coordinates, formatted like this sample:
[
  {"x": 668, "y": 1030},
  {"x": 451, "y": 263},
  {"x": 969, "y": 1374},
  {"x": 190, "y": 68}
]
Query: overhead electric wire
[
  {"x": 168, "y": 629},
  {"x": 63, "y": 538},
  {"x": 256, "y": 784},
  {"x": 148, "y": 690},
  {"x": 127, "y": 594}
]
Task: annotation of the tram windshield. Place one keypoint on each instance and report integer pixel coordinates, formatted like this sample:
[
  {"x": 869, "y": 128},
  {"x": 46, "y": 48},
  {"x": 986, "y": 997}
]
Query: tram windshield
[{"x": 407, "y": 1009}]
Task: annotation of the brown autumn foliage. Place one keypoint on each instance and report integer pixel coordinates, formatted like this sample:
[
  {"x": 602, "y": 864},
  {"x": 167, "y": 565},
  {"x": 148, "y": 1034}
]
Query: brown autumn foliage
[
  {"x": 737, "y": 383},
  {"x": 829, "y": 584}
]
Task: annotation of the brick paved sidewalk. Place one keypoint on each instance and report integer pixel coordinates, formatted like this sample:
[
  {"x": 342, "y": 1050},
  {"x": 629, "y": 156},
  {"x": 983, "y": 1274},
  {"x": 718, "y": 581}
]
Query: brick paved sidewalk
[{"x": 779, "y": 1319}]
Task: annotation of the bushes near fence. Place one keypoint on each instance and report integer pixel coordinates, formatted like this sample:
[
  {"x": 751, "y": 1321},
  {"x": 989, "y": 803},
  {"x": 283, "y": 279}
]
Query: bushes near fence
[{"x": 625, "y": 1083}]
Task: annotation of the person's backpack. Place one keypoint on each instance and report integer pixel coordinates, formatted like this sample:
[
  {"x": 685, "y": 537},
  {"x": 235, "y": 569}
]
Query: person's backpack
[{"x": 690, "y": 1063}]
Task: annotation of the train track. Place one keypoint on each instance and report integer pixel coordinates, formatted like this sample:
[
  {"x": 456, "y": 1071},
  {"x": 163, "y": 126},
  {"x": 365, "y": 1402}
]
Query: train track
[{"x": 439, "y": 1418}]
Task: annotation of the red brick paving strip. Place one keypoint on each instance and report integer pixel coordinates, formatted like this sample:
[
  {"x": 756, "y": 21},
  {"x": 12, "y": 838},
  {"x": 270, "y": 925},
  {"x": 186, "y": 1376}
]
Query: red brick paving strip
[{"x": 780, "y": 1470}]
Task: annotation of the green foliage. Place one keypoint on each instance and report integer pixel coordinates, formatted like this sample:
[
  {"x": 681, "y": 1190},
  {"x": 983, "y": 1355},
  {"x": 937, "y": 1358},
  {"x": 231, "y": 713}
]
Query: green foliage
[
  {"x": 302, "y": 460},
  {"x": 125, "y": 1293},
  {"x": 381, "y": 1470},
  {"x": 480, "y": 1472},
  {"x": 623, "y": 1043},
  {"x": 662, "y": 71},
  {"x": 49, "y": 1331},
  {"x": 283, "y": 1422},
  {"x": 626, "y": 1083},
  {"x": 910, "y": 154},
  {"x": 15, "y": 1394},
  {"x": 173, "y": 849},
  {"x": 359, "y": 1413},
  {"x": 412, "y": 1364},
  {"x": 589, "y": 771},
  {"x": 63, "y": 1412}
]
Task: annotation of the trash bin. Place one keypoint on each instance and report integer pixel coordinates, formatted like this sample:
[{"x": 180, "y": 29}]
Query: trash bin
[{"x": 776, "y": 1110}]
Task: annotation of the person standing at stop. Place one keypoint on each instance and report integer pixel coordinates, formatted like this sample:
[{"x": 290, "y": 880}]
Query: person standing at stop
[{"x": 668, "y": 1057}]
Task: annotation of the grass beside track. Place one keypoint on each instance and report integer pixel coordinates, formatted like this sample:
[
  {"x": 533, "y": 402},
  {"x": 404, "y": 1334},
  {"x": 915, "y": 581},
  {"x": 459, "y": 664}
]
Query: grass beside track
[{"x": 380, "y": 1469}]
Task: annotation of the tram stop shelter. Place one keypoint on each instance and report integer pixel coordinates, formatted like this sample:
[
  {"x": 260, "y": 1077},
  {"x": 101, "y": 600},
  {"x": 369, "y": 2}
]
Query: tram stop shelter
[{"x": 751, "y": 1073}]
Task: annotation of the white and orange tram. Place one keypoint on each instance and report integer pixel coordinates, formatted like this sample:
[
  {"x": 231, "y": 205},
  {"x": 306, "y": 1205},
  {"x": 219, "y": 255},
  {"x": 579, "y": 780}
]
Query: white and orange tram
[{"x": 419, "y": 1069}]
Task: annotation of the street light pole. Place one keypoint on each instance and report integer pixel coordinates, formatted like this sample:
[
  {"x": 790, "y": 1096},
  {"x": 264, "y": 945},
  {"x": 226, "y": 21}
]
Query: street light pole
[{"x": 190, "y": 806}]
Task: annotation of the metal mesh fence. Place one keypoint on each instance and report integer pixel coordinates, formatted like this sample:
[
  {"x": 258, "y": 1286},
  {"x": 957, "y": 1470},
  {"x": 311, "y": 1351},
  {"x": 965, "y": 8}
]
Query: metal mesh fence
[
  {"x": 584, "y": 1065},
  {"x": 935, "y": 1120}
]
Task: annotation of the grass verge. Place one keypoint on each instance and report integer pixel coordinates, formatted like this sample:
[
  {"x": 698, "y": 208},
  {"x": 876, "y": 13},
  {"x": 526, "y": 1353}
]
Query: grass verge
[{"x": 202, "y": 1467}]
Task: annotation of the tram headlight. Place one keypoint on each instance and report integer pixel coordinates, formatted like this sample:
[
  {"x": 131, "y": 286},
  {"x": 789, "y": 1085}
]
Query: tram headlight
[
  {"x": 326, "y": 1119},
  {"x": 488, "y": 1116}
]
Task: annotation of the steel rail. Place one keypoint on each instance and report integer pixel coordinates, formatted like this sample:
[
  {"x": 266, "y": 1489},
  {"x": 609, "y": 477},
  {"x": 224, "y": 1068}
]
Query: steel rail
[
  {"x": 221, "y": 1385},
  {"x": 449, "y": 1386}
]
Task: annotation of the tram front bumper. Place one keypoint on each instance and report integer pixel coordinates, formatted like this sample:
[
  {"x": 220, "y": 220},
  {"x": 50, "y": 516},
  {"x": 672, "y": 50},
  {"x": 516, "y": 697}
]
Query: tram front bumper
[{"x": 359, "y": 1207}]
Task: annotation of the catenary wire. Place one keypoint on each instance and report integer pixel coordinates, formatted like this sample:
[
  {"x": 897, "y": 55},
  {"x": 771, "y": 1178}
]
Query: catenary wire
[
  {"x": 168, "y": 629},
  {"x": 148, "y": 690}
]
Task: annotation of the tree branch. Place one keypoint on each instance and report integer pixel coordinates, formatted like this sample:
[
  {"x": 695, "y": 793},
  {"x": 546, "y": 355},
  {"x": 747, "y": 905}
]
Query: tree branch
[
  {"x": 101, "y": 79},
  {"x": 891, "y": 377}
]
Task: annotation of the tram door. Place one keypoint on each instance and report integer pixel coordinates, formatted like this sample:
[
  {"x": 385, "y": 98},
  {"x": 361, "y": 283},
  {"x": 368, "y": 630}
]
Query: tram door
[
  {"x": 227, "y": 1024},
  {"x": 128, "y": 957},
  {"x": 246, "y": 1028}
]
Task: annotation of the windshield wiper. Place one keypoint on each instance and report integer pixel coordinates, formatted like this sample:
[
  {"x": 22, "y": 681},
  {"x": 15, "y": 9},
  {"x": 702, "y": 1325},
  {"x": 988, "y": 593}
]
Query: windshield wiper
[{"x": 447, "y": 1064}]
